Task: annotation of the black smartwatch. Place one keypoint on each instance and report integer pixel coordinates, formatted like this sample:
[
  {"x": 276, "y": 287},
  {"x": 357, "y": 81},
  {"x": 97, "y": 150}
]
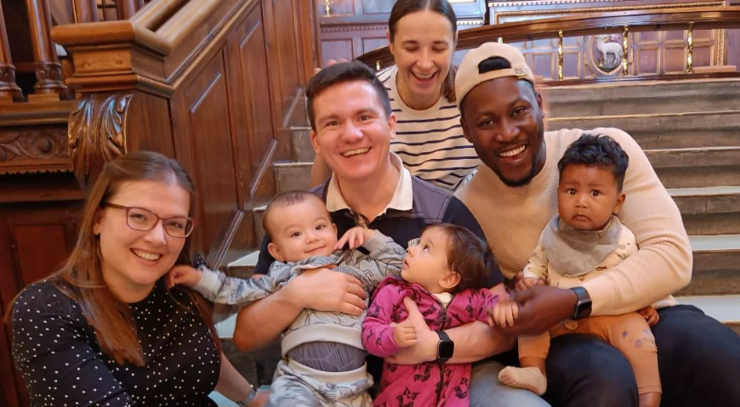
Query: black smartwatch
[
  {"x": 583, "y": 303},
  {"x": 445, "y": 347}
]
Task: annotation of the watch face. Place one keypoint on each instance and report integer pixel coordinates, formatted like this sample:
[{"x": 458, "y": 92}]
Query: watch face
[{"x": 445, "y": 349}]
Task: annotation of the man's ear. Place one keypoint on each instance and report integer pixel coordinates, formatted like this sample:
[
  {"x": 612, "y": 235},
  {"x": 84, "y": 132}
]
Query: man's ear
[
  {"x": 275, "y": 252},
  {"x": 466, "y": 130},
  {"x": 392, "y": 121},
  {"x": 620, "y": 202},
  {"x": 315, "y": 141},
  {"x": 390, "y": 43},
  {"x": 450, "y": 280},
  {"x": 540, "y": 103}
]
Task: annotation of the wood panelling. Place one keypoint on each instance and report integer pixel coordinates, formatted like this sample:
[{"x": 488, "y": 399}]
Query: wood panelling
[
  {"x": 287, "y": 52},
  {"x": 203, "y": 128},
  {"x": 251, "y": 94},
  {"x": 34, "y": 241}
]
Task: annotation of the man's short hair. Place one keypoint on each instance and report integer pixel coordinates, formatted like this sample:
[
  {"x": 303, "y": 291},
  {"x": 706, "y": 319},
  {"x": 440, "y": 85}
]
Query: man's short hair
[
  {"x": 282, "y": 200},
  {"x": 599, "y": 151},
  {"x": 342, "y": 73}
]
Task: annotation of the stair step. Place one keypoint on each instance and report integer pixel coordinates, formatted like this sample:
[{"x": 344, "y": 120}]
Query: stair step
[
  {"x": 244, "y": 267},
  {"x": 649, "y": 97},
  {"x": 667, "y": 130},
  {"x": 710, "y": 210},
  {"x": 293, "y": 176},
  {"x": 697, "y": 167},
  {"x": 716, "y": 268}
]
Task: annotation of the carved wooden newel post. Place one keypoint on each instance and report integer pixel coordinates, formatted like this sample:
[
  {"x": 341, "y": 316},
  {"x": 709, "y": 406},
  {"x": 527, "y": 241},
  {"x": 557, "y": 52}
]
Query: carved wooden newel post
[
  {"x": 48, "y": 68},
  {"x": 8, "y": 88}
]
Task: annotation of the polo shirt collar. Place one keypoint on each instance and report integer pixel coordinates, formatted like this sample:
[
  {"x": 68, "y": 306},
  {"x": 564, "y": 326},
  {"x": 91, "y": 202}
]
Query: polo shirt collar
[{"x": 402, "y": 199}]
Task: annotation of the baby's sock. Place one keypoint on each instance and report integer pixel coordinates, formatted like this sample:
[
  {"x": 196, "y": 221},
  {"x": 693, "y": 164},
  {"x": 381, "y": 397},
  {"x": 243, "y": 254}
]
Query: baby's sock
[{"x": 528, "y": 378}]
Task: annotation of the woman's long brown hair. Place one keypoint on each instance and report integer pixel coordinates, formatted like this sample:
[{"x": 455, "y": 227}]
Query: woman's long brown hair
[{"x": 81, "y": 278}]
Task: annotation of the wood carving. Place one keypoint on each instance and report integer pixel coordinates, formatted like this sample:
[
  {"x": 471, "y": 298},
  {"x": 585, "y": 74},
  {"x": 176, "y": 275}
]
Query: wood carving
[
  {"x": 33, "y": 150},
  {"x": 97, "y": 133},
  {"x": 7, "y": 82},
  {"x": 49, "y": 78}
]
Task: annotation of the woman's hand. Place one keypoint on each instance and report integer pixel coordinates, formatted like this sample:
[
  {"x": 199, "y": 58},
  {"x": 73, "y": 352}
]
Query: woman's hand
[
  {"x": 327, "y": 290},
  {"x": 355, "y": 237}
]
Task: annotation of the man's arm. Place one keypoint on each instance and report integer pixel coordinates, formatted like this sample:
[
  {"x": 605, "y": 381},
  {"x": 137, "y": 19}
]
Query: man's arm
[
  {"x": 473, "y": 341},
  {"x": 319, "y": 289}
]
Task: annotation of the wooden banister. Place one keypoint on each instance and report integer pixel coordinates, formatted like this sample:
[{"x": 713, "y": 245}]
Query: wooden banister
[
  {"x": 48, "y": 69},
  {"x": 703, "y": 18},
  {"x": 155, "y": 13},
  {"x": 8, "y": 87}
]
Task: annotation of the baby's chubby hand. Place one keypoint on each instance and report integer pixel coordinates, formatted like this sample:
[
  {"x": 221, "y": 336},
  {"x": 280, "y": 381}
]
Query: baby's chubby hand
[
  {"x": 503, "y": 314},
  {"x": 526, "y": 283},
  {"x": 404, "y": 334},
  {"x": 355, "y": 237},
  {"x": 184, "y": 275}
]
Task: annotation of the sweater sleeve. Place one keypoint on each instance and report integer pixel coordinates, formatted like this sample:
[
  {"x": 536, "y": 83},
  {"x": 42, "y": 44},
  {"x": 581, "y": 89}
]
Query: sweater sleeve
[
  {"x": 386, "y": 254},
  {"x": 537, "y": 265},
  {"x": 663, "y": 263},
  {"x": 377, "y": 334},
  {"x": 459, "y": 214},
  {"x": 217, "y": 287},
  {"x": 51, "y": 348}
]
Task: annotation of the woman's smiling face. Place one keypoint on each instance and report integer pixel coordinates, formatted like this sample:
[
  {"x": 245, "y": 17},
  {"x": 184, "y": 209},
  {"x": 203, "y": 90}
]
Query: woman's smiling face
[{"x": 422, "y": 46}]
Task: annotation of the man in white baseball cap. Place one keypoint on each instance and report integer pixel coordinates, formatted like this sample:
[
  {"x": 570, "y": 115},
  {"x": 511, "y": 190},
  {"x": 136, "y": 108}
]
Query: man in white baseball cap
[{"x": 514, "y": 195}]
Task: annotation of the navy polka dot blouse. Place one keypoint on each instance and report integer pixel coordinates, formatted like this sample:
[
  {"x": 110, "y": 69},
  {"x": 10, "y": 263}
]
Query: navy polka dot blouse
[{"x": 57, "y": 352}]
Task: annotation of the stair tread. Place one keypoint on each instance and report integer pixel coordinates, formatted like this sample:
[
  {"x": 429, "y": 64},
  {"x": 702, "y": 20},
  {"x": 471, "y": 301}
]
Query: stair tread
[
  {"x": 694, "y": 149},
  {"x": 293, "y": 164},
  {"x": 704, "y": 191},
  {"x": 248, "y": 260},
  {"x": 725, "y": 308},
  {"x": 709, "y": 243},
  {"x": 645, "y": 115}
]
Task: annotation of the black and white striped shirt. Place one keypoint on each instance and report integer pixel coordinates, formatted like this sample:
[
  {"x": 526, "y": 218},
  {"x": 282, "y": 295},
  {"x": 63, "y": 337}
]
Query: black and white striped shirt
[{"x": 430, "y": 142}]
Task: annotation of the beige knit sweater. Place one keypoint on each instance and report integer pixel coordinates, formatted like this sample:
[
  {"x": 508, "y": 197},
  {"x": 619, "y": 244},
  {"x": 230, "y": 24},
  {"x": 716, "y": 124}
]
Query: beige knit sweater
[{"x": 513, "y": 219}]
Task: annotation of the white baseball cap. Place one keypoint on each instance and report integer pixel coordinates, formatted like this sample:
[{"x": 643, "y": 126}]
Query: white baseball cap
[{"x": 469, "y": 75}]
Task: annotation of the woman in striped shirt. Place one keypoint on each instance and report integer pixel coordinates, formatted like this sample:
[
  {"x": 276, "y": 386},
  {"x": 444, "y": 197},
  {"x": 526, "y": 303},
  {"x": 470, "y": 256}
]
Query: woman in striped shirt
[{"x": 429, "y": 139}]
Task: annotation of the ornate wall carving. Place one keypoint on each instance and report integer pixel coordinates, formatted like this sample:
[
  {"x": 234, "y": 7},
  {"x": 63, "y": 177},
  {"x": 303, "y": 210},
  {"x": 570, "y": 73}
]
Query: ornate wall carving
[
  {"x": 37, "y": 149},
  {"x": 97, "y": 133}
]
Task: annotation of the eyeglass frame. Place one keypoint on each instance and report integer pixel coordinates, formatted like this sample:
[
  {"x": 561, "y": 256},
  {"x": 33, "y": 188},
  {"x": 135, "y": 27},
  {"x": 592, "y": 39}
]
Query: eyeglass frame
[{"x": 126, "y": 209}]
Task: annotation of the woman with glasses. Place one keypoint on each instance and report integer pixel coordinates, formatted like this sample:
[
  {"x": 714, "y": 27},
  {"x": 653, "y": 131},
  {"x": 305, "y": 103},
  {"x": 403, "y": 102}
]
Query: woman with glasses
[{"x": 104, "y": 329}]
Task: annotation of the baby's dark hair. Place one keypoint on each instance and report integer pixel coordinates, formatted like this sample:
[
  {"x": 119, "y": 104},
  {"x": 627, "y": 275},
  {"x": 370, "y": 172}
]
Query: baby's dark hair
[
  {"x": 284, "y": 199},
  {"x": 599, "y": 151},
  {"x": 468, "y": 255}
]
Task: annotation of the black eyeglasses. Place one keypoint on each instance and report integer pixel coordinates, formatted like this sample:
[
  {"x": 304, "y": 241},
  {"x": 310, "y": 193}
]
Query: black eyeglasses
[{"x": 145, "y": 220}]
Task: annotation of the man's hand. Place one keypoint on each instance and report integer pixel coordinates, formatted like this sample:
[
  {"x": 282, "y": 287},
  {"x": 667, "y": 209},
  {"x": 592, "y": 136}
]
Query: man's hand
[
  {"x": 425, "y": 349},
  {"x": 540, "y": 308},
  {"x": 526, "y": 283},
  {"x": 650, "y": 314},
  {"x": 504, "y": 313},
  {"x": 356, "y": 237},
  {"x": 184, "y": 275},
  {"x": 327, "y": 290},
  {"x": 404, "y": 334}
]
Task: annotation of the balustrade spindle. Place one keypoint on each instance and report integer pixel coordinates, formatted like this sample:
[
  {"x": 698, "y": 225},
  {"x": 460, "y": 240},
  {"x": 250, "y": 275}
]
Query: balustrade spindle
[
  {"x": 48, "y": 68},
  {"x": 85, "y": 11},
  {"x": 625, "y": 50},
  {"x": 8, "y": 87},
  {"x": 690, "y": 49},
  {"x": 560, "y": 55},
  {"x": 126, "y": 9}
]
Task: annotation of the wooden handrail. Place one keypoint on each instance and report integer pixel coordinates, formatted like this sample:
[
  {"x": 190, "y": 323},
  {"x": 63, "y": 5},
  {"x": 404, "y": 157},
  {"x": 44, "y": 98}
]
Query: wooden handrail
[
  {"x": 588, "y": 24},
  {"x": 156, "y": 13},
  {"x": 187, "y": 19},
  {"x": 110, "y": 32}
]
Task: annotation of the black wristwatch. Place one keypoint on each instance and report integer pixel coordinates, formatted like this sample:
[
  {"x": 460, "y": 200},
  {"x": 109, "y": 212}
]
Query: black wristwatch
[
  {"x": 583, "y": 303},
  {"x": 445, "y": 347}
]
